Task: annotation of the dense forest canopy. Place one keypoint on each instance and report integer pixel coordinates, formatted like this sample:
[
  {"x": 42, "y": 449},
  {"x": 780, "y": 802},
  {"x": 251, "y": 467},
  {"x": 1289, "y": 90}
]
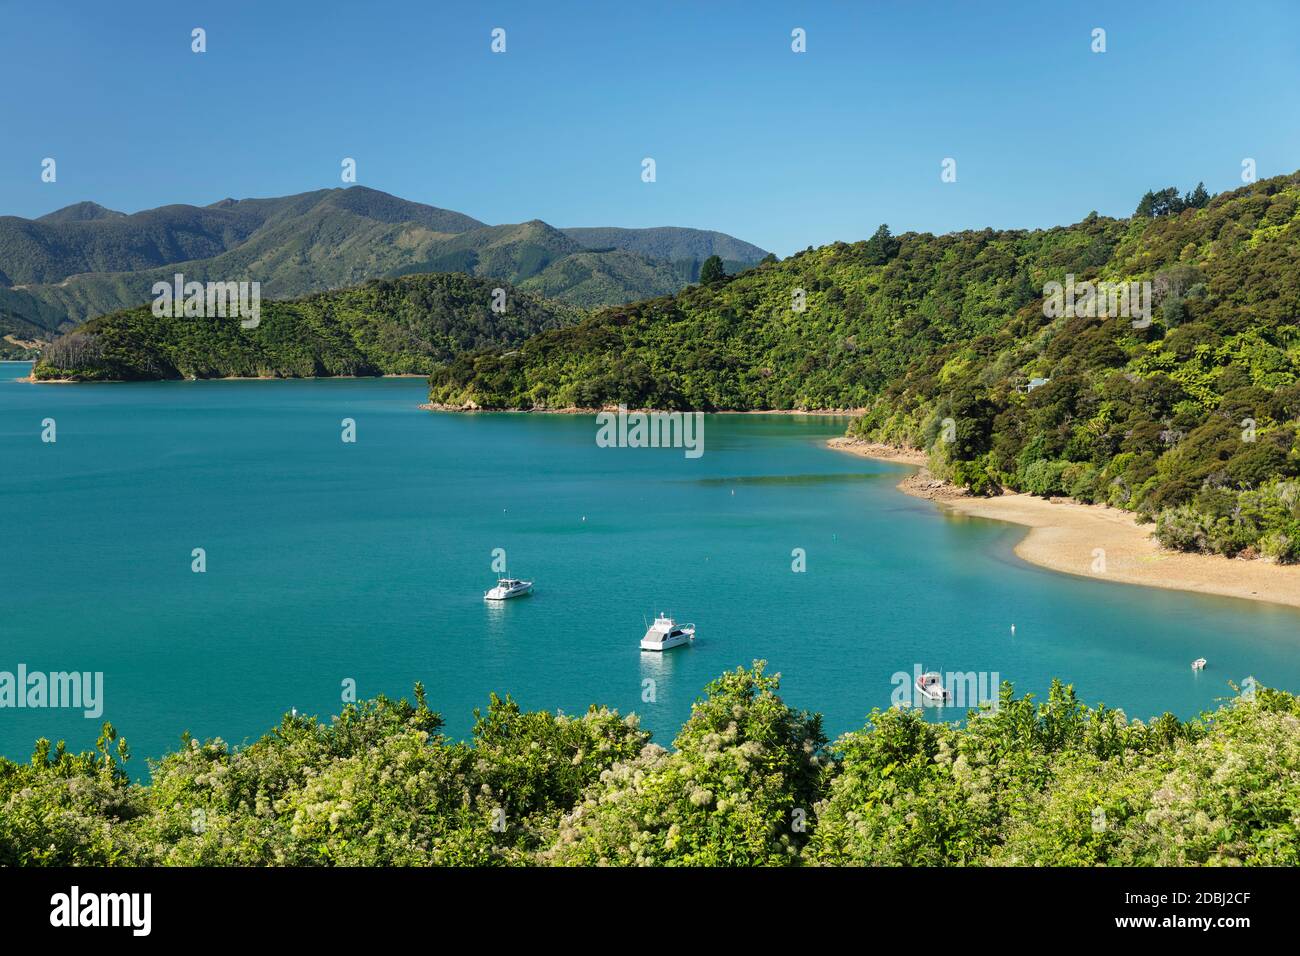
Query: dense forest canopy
[{"x": 748, "y": 781}]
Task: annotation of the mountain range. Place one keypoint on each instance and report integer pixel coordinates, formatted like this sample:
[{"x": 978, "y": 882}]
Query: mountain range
[{"x": 85, "y": 260}]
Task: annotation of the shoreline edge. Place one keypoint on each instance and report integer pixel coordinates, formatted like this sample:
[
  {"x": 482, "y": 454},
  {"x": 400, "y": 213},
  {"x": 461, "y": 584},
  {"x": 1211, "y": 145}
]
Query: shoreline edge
[{"x": 1065, "y": 536}]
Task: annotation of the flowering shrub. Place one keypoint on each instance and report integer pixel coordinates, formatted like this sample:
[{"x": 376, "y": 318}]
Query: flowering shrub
[
  {"x": 738, "y": 791},
  {"x": 749, "y": 782}
]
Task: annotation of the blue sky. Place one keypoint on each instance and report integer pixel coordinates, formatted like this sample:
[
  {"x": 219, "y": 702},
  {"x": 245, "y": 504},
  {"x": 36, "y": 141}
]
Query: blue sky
[{"x": 782, "y": 149}]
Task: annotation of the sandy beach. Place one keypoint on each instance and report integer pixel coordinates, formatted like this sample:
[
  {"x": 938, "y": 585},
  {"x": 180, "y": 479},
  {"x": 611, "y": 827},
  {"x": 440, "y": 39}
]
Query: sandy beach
[
  {"x": 903, "y": 456},
  {"x": 1095, "y": 541}
]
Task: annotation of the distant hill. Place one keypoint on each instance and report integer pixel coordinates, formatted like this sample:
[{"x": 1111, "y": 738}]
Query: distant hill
[
  {"x": 81, "y": 212},
  {"x": 85, "y": 260},
  {"x": 385, "y": 326},
  {"x": 670, "y": 244},
  {"x": 87, "y": 238}
]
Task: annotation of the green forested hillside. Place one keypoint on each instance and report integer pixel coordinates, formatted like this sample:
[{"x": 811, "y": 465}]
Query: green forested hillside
[
  {"x": 48, "y": 250},
  {"x": 593, "y": 279},
  {"x": 1190, "y": 419},
  {"x": 387, "y": 326},
  {"x": 749, "y": 781},
  {"x": 869, "y": 310}
]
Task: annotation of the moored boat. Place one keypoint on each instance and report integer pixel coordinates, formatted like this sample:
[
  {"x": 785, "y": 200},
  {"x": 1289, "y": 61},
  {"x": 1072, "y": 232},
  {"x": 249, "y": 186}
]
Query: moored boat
[
  {"x": 665, "y": 634},
  {"x": 508, "y": 588},
  {"x": 930, "y": 686}
]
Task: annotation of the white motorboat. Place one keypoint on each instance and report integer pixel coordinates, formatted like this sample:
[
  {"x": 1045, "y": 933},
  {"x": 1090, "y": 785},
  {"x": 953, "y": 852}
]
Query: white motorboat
[
  {"x": 508, "y": 588},
  {"x": 1199, "y": 664},
  {"x": 930, "y": 686},
  {"x": 665, "y": 634}
]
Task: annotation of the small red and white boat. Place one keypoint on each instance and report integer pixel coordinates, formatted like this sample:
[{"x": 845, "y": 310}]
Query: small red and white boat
[{"x": 930, "y": 686}]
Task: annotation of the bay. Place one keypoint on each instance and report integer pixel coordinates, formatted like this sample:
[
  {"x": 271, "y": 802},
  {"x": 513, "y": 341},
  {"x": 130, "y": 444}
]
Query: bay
[{"x": 330, "y": 562}]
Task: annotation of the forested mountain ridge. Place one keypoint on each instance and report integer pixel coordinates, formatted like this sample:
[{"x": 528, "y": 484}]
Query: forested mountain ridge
[
  {"x": 386, "y": 326},
  {"x": 87, "y": 238},
  {"x": 83, "y": 260},
  {"x": 949, "y": 343}
]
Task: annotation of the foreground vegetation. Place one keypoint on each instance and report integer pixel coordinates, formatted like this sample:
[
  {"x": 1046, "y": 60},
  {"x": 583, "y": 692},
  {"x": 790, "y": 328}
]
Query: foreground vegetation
[
  {"x": 1187, "y": 416},
  {"x": 749, "y": 782}
]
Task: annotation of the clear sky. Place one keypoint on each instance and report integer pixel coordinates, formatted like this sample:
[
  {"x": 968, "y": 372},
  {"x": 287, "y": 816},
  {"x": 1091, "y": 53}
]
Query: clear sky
[{"x": 782, "y": 149}]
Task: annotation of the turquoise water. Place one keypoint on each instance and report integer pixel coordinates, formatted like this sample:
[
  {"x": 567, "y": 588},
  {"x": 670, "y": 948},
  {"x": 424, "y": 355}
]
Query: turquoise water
[{"x": 328, "y": 561}]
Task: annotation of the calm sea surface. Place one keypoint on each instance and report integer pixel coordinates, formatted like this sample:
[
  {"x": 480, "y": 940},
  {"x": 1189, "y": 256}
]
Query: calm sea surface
[{"x": 329, "y": 561}]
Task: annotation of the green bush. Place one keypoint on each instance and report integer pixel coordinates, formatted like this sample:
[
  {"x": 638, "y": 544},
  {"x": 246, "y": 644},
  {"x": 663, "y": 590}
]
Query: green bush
[
  {"x": 1183, "y": 529},
  {"x": 738, "y": 791},
  {"x": 1081, "y": 481},
  {"x": 749, "y": 781},
  {"x": 1045, "y": 478},
  {"x": 1281, "y": 547}
]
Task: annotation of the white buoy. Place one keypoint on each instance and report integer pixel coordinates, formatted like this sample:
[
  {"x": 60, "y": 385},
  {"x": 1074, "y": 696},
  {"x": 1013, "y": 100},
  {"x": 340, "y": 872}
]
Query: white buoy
[{"x": 1013, "y": 630}]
